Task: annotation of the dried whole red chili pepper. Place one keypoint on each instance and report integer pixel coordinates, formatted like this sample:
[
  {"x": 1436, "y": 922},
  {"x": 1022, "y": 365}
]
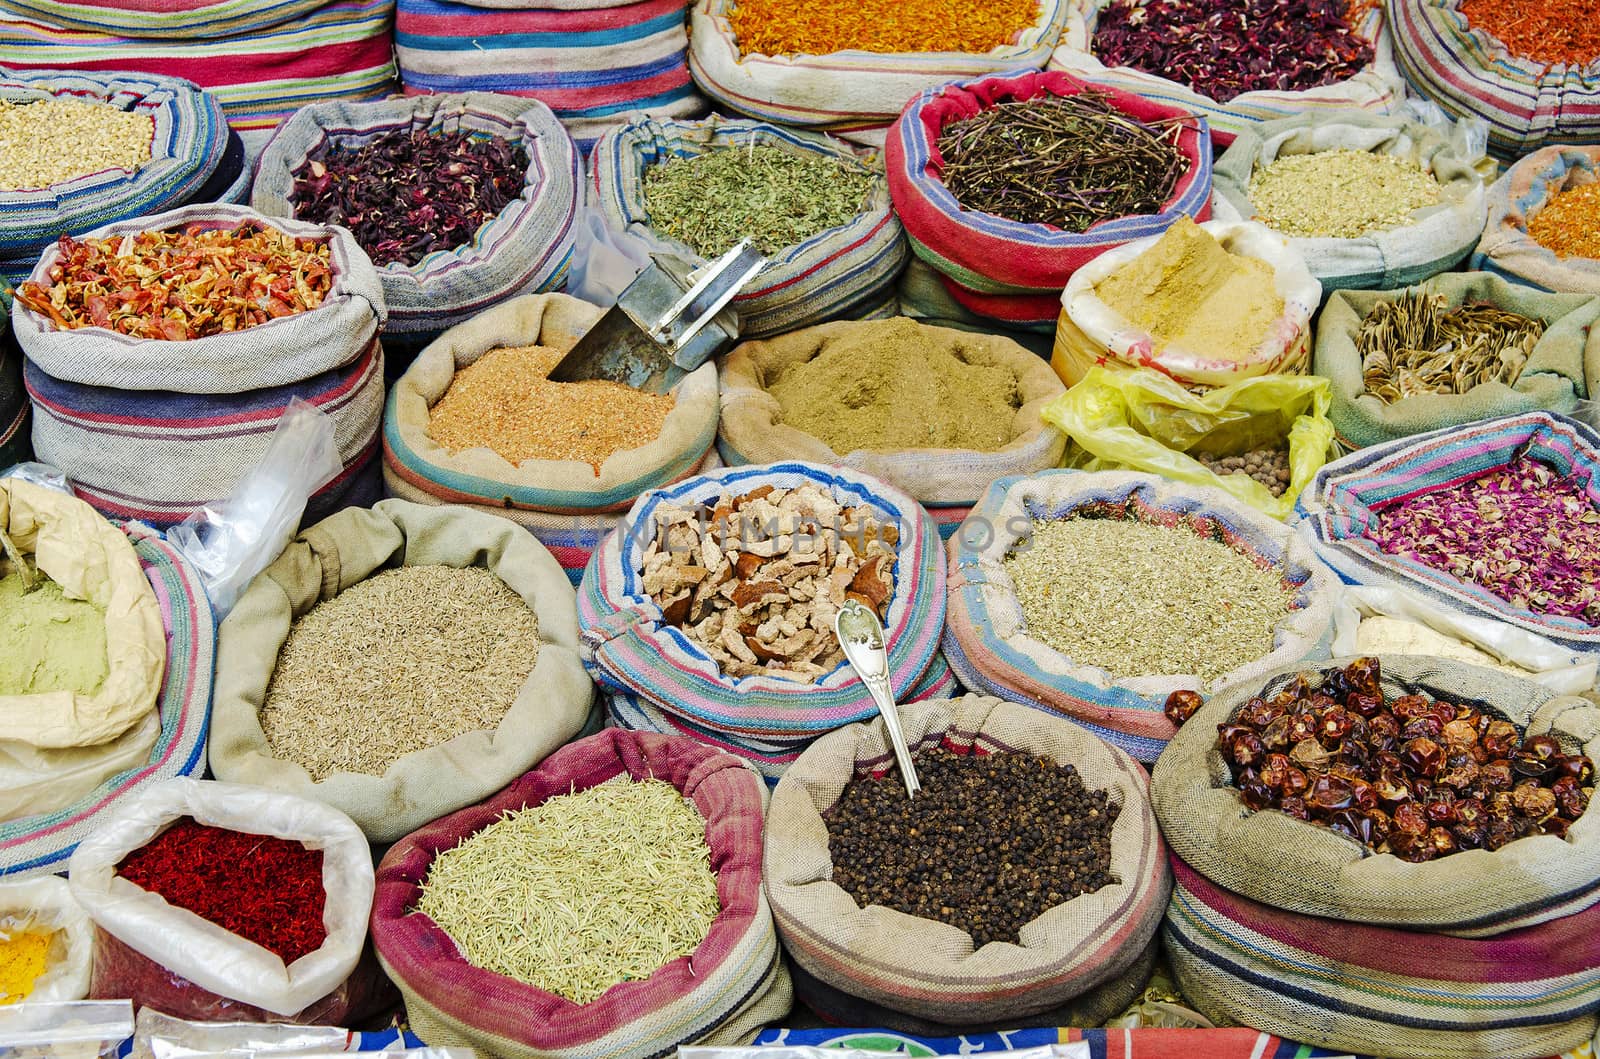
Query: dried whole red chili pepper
[{"x": 265, "y": 889}]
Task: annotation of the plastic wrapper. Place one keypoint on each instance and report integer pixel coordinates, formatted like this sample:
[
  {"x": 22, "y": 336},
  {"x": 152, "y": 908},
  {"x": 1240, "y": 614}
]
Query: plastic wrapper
[
  {"x": 232, "y": 541},
  {"x": 82, "y": 1029},
  {"x": 157, "y": 1035},
  {"x": 45, "y": 904},
  {"x": 40, "y": 474}
]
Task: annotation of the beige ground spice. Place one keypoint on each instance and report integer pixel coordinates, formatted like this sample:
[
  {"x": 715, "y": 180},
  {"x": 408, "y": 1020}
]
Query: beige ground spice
[
  {"x": 896, "y": 384},
  {"x": 505, "y": 403},
  {"x": 407, "y": 659}
]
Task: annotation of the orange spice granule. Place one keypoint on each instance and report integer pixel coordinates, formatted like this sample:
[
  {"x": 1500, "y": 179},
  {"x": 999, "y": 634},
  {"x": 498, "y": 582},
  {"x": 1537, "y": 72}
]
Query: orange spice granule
[
  {"x": 819, "y": 27},
  {"x": 1546, "y": 31},
  {"x": 1570, "y": 223}
]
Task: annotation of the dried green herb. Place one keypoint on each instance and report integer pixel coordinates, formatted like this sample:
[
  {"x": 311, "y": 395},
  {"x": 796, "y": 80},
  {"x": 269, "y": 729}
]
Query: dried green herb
[
  {"x": 1340, "y": 194},
  {"x": 774, "y": 197},
  {"x": 1414, "y": 345}
]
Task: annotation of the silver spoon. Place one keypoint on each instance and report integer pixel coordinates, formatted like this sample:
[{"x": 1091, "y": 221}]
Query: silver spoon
[{"x": 861, "y": 636}]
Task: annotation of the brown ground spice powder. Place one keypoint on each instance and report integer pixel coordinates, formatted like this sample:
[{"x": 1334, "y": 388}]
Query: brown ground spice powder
[
  {"x": 895, "y": 385},
  {"x": 505, "y": 402}
]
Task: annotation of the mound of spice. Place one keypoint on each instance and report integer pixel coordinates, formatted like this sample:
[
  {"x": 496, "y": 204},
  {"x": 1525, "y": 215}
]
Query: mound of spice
[
  {"x": 48, "y": 642},
  {"x": 821, "y": 27},
  {"x": 1187, "y": 290},
  {"x": 505, "y": 402},
  {"x": 581, "y": 892},
  {"x": 1415, "y": 345},
  {"x": 410, "y": 193},
  {"x": 49, "y": 141},
  {"x": 265, "y": 889},
  {"x": 1415, "y": 777},
  {"x": 24, "y": 957},
  {"x": 407, "y": 659},
  {"x": 182, "y": 285},
  {"x": 1138, "y": 599},
  {"x": 1546, "y": 31},
  {"x": 990, "y": 843},
  {"x": 1569, "y": 224},
  {"x": 1340, "y": 194},
  {"x": 1269, "y": 466},
  {"x": 775, "y": 198},
  {"x": 1066, "y": 161},
  {"x": 1223, "y": 48},
  {"x": 757, "y": 579},
  {"x": 894, "y": 385},
  {"x": 1523, "y": 532}
]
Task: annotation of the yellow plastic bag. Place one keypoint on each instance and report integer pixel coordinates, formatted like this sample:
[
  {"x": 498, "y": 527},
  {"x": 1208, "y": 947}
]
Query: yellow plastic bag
[{"x": 1141, "y": 420}]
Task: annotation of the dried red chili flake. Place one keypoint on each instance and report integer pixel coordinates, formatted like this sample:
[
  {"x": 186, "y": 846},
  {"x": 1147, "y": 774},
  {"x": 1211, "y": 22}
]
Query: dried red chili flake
[
  {"x": 1523, "y": 532},
  {"x": 182, "y": 285},
  {"x": 1546, "y": 31},
  {"x": 1223, "y": 48},
  {"x": 411, "y": 193},
  {"x": 265, "y": 889}
]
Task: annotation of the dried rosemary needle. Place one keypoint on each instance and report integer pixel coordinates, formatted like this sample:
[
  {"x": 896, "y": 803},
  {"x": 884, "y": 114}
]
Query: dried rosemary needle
[
  {"x": 407, "y": 659},
  {"x": 589, "y": 889},
  {"x": 1414, "y": 345}
]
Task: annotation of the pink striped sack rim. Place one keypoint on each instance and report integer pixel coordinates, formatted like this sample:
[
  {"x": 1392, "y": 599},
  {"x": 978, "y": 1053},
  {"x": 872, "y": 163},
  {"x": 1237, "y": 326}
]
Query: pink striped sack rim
[
  {"x": 525, "y": 249},
  {"x": 929, "y": 969},
  {"x": 732, "y": 984},
  {"x": 1525, "y": 189},
  {"x": 629, "y": 648}
]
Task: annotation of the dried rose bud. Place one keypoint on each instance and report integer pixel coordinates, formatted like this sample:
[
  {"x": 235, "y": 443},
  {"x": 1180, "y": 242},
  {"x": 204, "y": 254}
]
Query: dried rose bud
[{"x": 1182, "y": 705}]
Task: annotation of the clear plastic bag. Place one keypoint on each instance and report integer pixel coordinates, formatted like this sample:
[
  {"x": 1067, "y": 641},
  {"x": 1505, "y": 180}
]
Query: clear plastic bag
[
  {"x": 40, "y": 474},
  {"x": 161, "y": 1036},
  {"x": 45, "y": 904},
  {"x": 81, "y": 1029},
  {"x": 232, "y": 541}
]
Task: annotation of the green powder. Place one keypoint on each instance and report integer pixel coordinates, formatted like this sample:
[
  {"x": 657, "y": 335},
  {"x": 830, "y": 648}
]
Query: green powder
[
  {"x": 894, "y": 385},
  {"x": 49, "y": 642}
]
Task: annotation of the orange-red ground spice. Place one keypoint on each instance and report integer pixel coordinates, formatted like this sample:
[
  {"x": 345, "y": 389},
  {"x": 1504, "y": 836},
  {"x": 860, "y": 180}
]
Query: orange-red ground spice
[
  {"x": 820, "y": 27},
  {"x": 1570, "y": 223},
  {"x": 1546, "y": 31}
]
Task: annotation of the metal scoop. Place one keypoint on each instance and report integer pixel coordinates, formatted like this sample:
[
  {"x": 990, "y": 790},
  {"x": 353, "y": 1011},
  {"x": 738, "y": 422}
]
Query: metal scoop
[
  {"x": 861, "y": 636},
  {"x": 668, "y": 322}
]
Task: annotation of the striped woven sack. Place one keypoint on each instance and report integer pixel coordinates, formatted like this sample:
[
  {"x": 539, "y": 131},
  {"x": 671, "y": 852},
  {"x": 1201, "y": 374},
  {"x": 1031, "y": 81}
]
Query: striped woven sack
[
  {"x": 1300, "y": 867},
  {"x": 1400, "y": 993},
  {"x": 771, "y": 758},
  {"x": 1559, "y": 371},
  {"x": 1377, "y": 89},
  {"x": 168, "y": 19},
  {"x": 42, "y": 844},
  {"x": 629, "y": 647},
  {"x": 158, "y": 456},
  {"x": 1433, "y": 239},
  {"x": 930, "y": 969},
  {"x": 1346, "y": 495},
  {"x": 987, "y": 640},
  {"x": 269, "y": 68},
  {"x": 844, "y": 272},
  {"x": 752, "y": 429},
  {"x": 591, "y": 63},
  {"x": 1035, "y": 313},
  {"x": 844, "y": 91},
  {"x": 992, "y": 255},
  {"x": 925, "y": 298},
  {"x": 188, "y": 141},
  {"x": 525, "y": 249},
  {"x": 1143, "y": 1042},
  {"x": 280, "y": 352},
  {"x": 721, "y": 995},
  {"x": 1519, "y": 196}
]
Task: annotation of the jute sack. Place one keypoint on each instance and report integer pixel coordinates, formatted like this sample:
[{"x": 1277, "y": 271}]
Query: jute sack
[
  {"x": 46, "y": 905},
  {"x": 524, "y": 249},
  {"x": 1090, "y": 332},
  {"x": 1563, "y": 369},
  {"x": 732, "y": 985},
  {"x": 1377, "y": 89},
  {"x": 1524, "y": 190},
  {"x": 280, "y": 352},
  {"x": 1434, "y": 239},
  {"x": 846, "y": 271},
  {"x": 929, "y": 969},
  {"x": 1299, "y": 867},
  {"x": 1526, "y": 994},
  {"x": 430, "y": 781},
  {"x": 481, "y": 476},
  {"x": 1344, "y": 499},
  {"x": 752, "y": 429},
  {"x": 41, "y": 843},
  {"x": 986, "y": 637}
]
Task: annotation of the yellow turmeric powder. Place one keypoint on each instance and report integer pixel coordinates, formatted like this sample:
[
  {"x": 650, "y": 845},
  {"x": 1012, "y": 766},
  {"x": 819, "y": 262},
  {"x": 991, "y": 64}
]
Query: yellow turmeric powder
[{"x": 23, "y": 956}]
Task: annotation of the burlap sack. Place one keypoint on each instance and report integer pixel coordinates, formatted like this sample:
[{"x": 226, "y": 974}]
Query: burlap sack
[
  {"x": 427, "y": 783},
  {"x": 1297, "y": 866},
  {"x": 1433, "y": 239},
  {"x": 1564, "y": 367},
  {"x": 930, "y": 969},
  {"x": 752, "y": 428},
  {"x": 482, "y": 476},
  {"x": 1507, "y": 249}
]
